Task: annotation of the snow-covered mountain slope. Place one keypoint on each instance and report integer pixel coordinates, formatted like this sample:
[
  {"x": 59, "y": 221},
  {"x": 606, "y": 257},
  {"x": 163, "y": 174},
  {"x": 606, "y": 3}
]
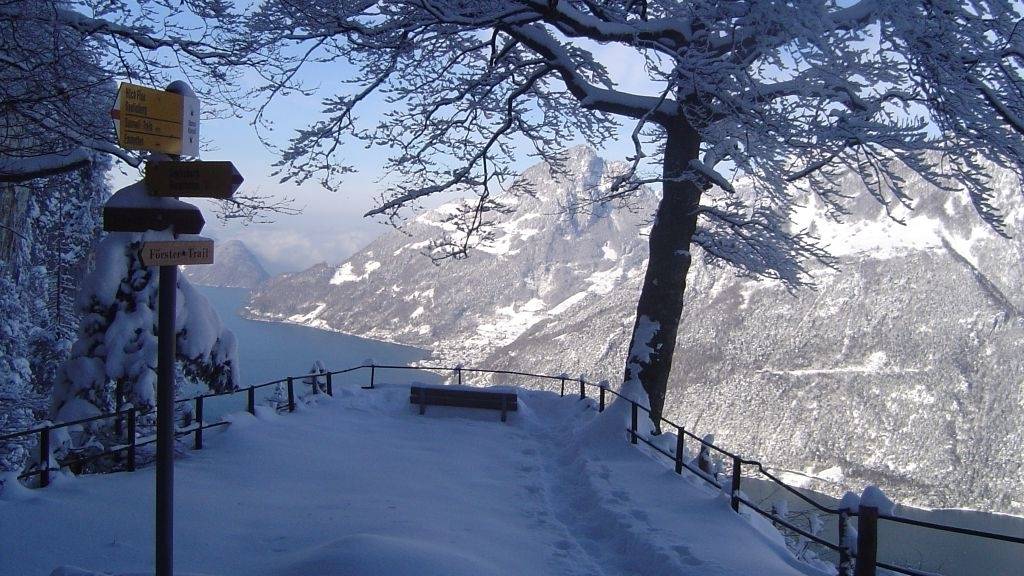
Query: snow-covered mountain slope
[
  {"x": 902, "y": 368},
  {"x": 362, "y": 484},
  {"x": 550, "y": 258},
  {"x": 234, "y": 266}
]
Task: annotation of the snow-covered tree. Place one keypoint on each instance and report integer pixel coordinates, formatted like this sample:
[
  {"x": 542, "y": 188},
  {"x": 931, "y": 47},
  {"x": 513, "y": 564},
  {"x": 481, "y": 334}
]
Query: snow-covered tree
[
  {"x": 117, "y": 344},
  {"x": 778, "y": 95},
  {"x": 16, "y": 395},
  {"x": 66, "y": 232},
  {"x": 59, "y": 61}
]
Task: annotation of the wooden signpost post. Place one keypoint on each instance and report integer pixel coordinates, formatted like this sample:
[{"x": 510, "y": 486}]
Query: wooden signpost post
[{"x": 166, "y": 121}]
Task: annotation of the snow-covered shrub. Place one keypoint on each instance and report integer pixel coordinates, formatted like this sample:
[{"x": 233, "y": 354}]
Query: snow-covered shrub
[
  {"x": 117, "y": 339},
  {"x": 317, "y": 377}
]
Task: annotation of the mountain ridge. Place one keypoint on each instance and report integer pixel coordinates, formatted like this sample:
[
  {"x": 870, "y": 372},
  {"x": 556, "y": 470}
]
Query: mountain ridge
[{"x": 234, "y": 266}]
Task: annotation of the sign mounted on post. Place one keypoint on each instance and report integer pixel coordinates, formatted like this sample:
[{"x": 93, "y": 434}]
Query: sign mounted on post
[
  {"x": 182, "y": 220},
  {"x": 148, "y": 119},
  {"x": 177, "y": 252},
  {"x": 193, "y": 179}
]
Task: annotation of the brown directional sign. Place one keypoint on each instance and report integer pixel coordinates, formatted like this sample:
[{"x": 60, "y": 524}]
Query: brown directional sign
[
  {"x": 132, "y": 219},
  {"x": 177, "y": 252},
  {"x": 193, "y": 179}
]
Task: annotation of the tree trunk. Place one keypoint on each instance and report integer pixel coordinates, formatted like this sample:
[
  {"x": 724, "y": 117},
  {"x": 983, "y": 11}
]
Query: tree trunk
[{"x": 661, "y": 298}]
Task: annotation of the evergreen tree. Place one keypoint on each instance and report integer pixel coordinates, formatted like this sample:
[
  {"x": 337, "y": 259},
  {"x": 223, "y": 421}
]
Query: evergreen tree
[
  {"x": 117, "y": 343},
  {"x": 67, "y": 231},
  {"x": 16, "y": 398}
]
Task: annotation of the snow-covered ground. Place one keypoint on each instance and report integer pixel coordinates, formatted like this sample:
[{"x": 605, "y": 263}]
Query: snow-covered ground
[{"x": 361, "y": 484}]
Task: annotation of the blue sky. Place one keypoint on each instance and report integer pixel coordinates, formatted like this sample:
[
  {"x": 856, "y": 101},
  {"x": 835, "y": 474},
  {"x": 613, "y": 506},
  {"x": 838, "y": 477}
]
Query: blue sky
[{"x": 331, "y": 226}]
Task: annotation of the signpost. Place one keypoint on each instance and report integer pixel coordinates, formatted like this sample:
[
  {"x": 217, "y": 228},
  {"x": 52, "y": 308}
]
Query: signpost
[
  {"x": 193, "y": 179},
  {"x": 148, "y": 119},
  {"x": 166, "y": 121},
  {"x": 130, "y": 219}
]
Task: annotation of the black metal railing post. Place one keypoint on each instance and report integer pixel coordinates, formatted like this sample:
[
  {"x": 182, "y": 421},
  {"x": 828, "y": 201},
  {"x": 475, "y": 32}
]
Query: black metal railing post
[
  {"x": 583, "y": 389},
  {"x": 843, "y": 569},
  {"x": 735, "y": 488},
  {"x": 291, "y": 395},
  {"x": 118, "y": 404},
  {"x": 562, "y": 393},
  {"x": 632, "y": 423},
  {"x": 373, "y": 377},
  {"x": 458, "y": 374},
  {"x": 44, "y": 457},
  {"x": 680, "y": 438},
  {"x": 131, "y": 440},
  {"x": 198, "y": 441},
  {"x": 867, "y": 541},
  {"x": 250, "y": 405},
  {"x": 330, "y": 384},
  {"x": 600, "y": 404}
]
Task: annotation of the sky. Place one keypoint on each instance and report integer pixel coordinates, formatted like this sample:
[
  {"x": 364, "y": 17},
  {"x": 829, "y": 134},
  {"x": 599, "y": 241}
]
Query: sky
[{"x": 331, "y": 225}]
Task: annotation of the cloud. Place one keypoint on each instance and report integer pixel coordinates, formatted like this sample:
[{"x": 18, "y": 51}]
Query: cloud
[{"x": 289, "y": 249}]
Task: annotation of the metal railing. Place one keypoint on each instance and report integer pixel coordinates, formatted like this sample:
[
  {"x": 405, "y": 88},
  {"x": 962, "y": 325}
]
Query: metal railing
[{"x": 859, "y": 562}]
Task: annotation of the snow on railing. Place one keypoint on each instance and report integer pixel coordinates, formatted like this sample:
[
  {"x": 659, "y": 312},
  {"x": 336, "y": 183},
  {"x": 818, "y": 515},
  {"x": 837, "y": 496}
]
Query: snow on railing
[{"x": 856, "y": 554}]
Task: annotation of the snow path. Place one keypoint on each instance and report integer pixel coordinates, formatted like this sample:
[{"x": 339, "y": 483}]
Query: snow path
[{"x": 361, "y": 484}]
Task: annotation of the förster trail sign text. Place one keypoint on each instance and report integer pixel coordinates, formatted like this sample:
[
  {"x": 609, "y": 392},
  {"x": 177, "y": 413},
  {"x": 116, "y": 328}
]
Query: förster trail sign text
[{"x": 197, "y": 250}]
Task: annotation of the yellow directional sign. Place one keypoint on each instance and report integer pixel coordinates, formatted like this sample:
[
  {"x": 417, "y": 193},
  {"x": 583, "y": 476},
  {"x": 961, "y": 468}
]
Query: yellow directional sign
[
  {"x": 177, "y": 252},
  {"x": 148, "y": 119}
]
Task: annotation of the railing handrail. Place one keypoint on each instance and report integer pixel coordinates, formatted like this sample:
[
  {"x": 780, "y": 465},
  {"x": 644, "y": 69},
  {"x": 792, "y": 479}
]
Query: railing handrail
[{"x": 583, "y": 385}]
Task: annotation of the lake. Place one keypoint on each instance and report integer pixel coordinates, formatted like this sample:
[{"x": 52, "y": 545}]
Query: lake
[{"x": 273, "y": 350}]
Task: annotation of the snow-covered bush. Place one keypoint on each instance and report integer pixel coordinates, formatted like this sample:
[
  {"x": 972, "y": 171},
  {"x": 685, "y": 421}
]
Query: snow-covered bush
[
  {"x": 317, "y": 377},
  {"x": 117, "y": 343}
]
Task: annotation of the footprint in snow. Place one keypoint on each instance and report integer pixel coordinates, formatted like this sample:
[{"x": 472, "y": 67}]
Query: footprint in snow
[{"x": 686, "y": 556}]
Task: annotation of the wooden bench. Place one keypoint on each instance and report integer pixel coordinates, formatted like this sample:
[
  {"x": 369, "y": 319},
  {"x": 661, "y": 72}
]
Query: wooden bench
[{"x": 463, "y": 398}]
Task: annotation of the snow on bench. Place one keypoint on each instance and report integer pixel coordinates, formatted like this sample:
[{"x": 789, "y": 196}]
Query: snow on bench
[{"x": 463, "y": 398}]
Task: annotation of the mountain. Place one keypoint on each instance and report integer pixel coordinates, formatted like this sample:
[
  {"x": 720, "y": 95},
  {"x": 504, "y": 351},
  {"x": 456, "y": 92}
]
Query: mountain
[
  {"x": 234, "y": 266},
  {"x": 557, "y": 253},
  {"x": 901, "y": 368}
]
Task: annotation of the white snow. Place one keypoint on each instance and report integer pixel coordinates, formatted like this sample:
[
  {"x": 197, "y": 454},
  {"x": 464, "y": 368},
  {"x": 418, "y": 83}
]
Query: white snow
[
  {"x": 416, "y": 312},
  {"x": 875, "y": 363},
  {"x": 509, "y": 323},
  {"x": 567, "y": 303},
  {"x": 884, "y": 237},
  {"x": 346, "y": 272},
  {"x": 501, "y": 246},
  {"x": 361, "y": 484},
  {"x": 604, "y": 281},
  {"x": 642, "y": 337},
  {"x": 308, "y": 316},
  {"x": 609, "y": 252}
]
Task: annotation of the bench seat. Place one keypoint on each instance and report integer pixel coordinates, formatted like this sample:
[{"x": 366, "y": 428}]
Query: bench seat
[{"x": 463, "y": 398}]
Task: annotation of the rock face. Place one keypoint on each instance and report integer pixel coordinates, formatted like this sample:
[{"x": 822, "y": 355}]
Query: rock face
[
  {"x": 902, "y": 368},
  {"x": 234, "y": 266}
]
